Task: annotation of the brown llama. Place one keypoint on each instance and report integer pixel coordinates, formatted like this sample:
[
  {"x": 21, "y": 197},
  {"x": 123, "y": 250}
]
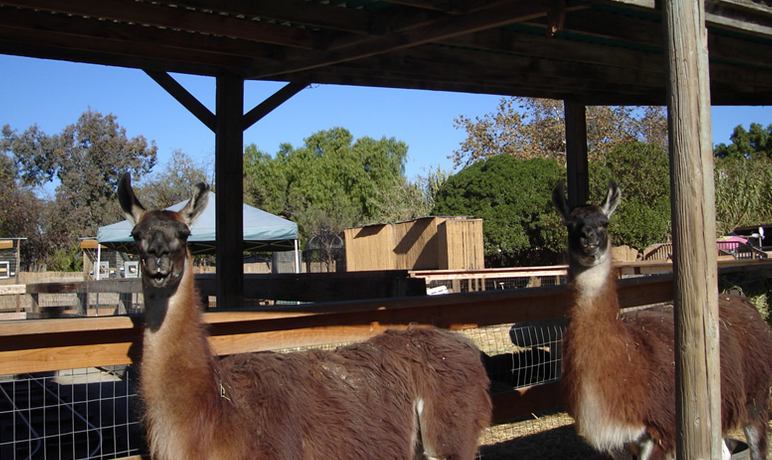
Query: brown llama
[
  {"x": 619, "y": 371},
  {"x": 400, "y": 395}
]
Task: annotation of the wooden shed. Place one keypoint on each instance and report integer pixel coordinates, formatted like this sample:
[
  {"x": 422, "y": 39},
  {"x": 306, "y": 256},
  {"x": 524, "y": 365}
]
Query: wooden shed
[{"x": 420, "y": 244}]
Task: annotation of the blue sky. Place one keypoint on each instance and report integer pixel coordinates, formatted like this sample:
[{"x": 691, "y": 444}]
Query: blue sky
[{"x": 52, "y": 94}]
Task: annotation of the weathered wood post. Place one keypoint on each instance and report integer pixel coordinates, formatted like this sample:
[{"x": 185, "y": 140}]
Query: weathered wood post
[
  {"x": 698, "y": 405},
  {"x": 576, "y": 152}
]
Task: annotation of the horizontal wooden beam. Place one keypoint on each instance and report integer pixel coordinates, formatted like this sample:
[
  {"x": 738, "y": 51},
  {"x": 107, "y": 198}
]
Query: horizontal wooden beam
[
  {"x": 184, "y": 97},
  {"x": 320, "y": 15},
  {"x": 177, "y": 18},
  {"x": 39, "y": 345},
  {"x": 10, "y": 289},
  {"x": 443, "y": 28}
]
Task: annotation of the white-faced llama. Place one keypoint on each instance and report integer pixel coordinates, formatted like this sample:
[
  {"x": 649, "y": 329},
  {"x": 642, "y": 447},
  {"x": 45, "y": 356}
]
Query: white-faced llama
[
  {"x": 401, "y": 395},
  {"x": 619, "y": 371}
]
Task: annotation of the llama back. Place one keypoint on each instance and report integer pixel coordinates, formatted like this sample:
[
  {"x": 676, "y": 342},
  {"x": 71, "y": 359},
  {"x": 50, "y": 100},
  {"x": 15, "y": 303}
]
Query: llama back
[
  {"x": 752, "y": 375},
  {"x": 348, "y": 402}
]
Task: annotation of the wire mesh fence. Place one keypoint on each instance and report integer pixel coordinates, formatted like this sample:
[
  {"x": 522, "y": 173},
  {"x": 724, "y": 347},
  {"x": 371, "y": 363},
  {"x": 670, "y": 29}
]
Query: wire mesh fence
[
  {"x": 94, "y": 413},
  {"x": 74, "y": 414}
]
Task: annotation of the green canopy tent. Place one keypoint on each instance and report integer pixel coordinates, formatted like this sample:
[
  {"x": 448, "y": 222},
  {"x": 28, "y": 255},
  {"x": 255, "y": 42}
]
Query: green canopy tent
[{"x": 263, "y": 231}]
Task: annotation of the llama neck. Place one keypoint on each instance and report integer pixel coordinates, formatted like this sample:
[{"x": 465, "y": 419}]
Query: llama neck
[
  {"x": 178, "y": 370},
  {"x": 594, "y": 290}
]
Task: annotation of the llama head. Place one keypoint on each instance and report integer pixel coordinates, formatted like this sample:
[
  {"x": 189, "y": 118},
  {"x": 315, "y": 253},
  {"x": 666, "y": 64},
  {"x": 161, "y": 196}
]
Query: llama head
[
  {"x": 161, "y": 236},
  {"x": 588, "y": 242}
]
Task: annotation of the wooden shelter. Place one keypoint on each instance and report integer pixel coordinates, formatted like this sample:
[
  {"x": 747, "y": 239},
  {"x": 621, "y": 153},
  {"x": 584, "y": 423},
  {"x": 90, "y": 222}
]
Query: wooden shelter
[
  {"x": 420, "y": 244},
  {"x": 586, "y": 52}
]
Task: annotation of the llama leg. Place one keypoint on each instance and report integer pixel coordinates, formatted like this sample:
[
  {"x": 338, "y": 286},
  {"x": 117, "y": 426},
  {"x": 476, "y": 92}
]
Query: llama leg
[
  {"x": 756, "y": 434},
  {"x": 445, "y": 436},
  {"x": 756, "y": 426}
]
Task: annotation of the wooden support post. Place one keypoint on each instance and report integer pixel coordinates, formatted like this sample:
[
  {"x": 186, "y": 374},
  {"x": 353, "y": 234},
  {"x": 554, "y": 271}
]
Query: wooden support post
[
  {"x": 18, "y": 269},
  {"x": 229, "y": 167},
  {"x": 698, "y": 408},
  {"x": 576, "y": 153},
  {"x": 82, "y": 303}
]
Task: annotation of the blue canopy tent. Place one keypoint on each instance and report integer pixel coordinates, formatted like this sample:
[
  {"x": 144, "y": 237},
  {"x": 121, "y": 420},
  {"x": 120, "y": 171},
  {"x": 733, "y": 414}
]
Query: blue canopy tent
[{"x": 263, "y": 231}]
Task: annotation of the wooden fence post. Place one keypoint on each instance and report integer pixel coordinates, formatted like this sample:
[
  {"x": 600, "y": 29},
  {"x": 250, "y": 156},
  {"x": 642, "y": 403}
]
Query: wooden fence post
[{"x": 698, "y": 408}]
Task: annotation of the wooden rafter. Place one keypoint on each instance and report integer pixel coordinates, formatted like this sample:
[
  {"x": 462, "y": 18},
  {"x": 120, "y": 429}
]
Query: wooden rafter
[
  {"x": 177, "y": 18},
  {"x": 43, "y": 22},
  {"x": 184, "y": 97},
  {"x": 440, "y": 29},
  {"x": 272, "y": 102}
]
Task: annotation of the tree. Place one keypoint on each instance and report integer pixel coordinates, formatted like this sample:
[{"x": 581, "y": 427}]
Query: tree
[
  {"x": 751, "y": 144},
  {"x": 513, "y": 196},
  {"x": 349, "y": 181},
  {"x": 174, "y": 183},
  {"x": 21, "y": 213},
  {"x": 743, "y": 191},
  {"x": 643, "y": 175},
  {"x": 87, "y": 159},
  {"x": 531, "y": 128}
]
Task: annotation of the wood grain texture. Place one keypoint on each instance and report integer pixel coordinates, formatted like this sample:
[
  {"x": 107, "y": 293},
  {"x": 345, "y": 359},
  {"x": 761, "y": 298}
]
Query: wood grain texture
[{"x": 694, "y": 262}]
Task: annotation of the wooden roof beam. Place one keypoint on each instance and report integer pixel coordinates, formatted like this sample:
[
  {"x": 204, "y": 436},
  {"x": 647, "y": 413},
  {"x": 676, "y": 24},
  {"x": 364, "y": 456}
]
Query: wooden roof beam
[
  {"x": 179, "y": 18},
  {"x": 42, "y": 22},
  {"x": 54, "y": 43},
  {"x": 272, "y": 102},
  {"x": 184, "y": 97},
  {"x": 332, "y": 17},
  {"x": 443, "y": 28}
]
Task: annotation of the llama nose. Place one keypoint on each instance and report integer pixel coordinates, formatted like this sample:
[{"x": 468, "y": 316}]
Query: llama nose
[{"x": 590, "y": 238}]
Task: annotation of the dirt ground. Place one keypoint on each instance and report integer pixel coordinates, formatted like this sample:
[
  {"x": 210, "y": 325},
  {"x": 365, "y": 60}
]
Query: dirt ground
[{"x": 550, "y": 437}]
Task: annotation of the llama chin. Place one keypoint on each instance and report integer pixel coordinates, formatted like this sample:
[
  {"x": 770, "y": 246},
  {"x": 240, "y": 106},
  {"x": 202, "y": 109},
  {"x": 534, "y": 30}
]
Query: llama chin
[{"x": 401, "y": 395}]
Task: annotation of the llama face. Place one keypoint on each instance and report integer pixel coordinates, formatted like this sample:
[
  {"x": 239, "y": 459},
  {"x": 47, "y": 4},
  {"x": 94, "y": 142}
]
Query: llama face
[
  {"x": 587, "y": 226},
  {"x": 161, "y": 240},
  {"x": 587, "y": 235},
  {"x": 161, "y": 236}
]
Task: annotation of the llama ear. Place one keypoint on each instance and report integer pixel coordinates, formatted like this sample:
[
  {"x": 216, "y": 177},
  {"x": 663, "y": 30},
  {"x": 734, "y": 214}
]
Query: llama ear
[
  {"x": 197, "y": 203},
  {"x": 559, "y": 199},
  {"x": 613, "y": 197},
  {"x": 129, "y": 202}
]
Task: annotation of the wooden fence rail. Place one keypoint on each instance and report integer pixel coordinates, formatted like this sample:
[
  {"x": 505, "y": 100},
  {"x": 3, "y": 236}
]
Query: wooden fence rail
[{"x": 53, "y": 344}]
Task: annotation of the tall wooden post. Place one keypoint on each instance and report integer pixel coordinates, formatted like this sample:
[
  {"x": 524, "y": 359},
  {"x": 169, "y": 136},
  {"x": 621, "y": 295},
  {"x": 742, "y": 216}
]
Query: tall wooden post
[
  {"x": 229, "y": 167},
  {"x": 576, "y": 153},
  {"x": 698, "y": 408}
]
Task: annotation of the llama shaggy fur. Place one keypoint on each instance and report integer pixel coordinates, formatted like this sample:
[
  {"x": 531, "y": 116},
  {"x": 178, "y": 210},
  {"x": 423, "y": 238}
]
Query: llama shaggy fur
[
  {"x": 400, "y": 395},
  {"x": 619, "y": 371}
]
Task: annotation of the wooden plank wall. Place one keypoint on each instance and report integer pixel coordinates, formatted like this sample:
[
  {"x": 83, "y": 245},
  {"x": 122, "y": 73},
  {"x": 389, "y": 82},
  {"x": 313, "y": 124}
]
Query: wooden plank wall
[
  {"x": 415, "y": 243},
  {"x": 460, "y": 244},
  {"x": 369, "y": 248},
  {"x": 420, "y": 244}
]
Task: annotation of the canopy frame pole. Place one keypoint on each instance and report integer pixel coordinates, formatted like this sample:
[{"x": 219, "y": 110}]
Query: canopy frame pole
[{"x": 297, "y": 257}]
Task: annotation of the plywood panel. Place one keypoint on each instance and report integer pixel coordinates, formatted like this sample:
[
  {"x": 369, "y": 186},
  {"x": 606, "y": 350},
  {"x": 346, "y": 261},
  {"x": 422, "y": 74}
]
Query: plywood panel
[
  {"x": 369, "y": 248},
  {"x": 416, "y": 243},
  {"x": 461, "y": 244}
]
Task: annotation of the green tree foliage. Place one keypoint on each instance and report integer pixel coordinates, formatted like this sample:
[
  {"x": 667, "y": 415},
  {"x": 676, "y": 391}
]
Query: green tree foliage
[
  {"x": 743, "y": 191},
  {"x": 643, "y": 175},
  {"x": 348, "y": 181},
  {"x": 21, "y": 213},
  {"x": 86, "y": 161},
  {"x": 174, "y": 183},
  {"x": 513, "y": 196},
  {"x": 535, "y": 128},
  {"x": 754, "y": 143}
]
